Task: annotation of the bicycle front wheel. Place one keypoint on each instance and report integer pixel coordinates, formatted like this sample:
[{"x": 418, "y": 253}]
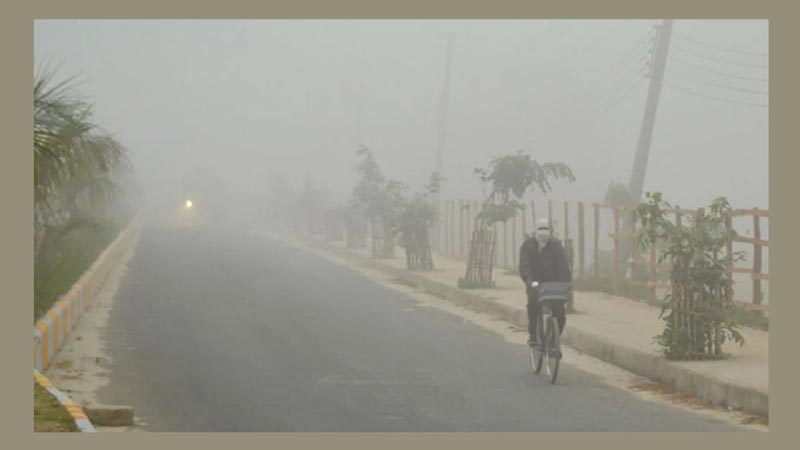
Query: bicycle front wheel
[
  {"x": 537, "y": 350},
  {"x": 552, "y": 348}
]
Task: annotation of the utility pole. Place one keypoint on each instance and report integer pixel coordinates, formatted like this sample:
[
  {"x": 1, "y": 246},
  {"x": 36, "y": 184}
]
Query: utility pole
[
  {"x": 636, "y": 183},
  {"x": 359, "y": 100},
  {"x": 444, "y": 104},
  {"x": 444, "y": 107}
]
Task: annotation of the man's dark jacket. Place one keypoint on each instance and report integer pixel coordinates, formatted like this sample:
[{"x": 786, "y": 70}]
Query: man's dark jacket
[{"x": 549, "y": 264}]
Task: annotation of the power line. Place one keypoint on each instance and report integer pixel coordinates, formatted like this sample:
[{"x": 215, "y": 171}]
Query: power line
[
  {"x": 611, "y": 78},
  {"x": 720, "y": 48},
  {"x": 631, "y": 55},
  {"x": 721, "y": 61},
  {"x": 586, "y": 125},
  {"x": 628, "y": 81},
  {"x": 715, "y": 72},
  {"x": 584, "y": 99},
  {"x": 712, "y": 97},
  {"x": 621, "y": 97},
  {"x": 722, "y": 86},
  {"x": 630, "y": 88},
  {"x": 633, "y": 59},
  {"x": 635, "y": 82},
  {"x": 632, "y": 66}
]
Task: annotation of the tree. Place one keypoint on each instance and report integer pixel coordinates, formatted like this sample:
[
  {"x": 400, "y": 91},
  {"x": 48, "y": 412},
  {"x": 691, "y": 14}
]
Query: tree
[
  {"x": 699, "y": 312},
  {"x": 381, "y": 200},
  {"x": 508, "y": 178},
  {"x": 76, "y": 163},
  {"x": 417, "y": 216},
  {"x": 618, "y": 194}
]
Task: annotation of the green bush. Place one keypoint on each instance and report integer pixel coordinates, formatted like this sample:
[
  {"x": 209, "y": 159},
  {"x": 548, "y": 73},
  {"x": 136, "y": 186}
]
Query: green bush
[
  {"x": 699, "y": 314},
  {"x": 61, "y": 264}
]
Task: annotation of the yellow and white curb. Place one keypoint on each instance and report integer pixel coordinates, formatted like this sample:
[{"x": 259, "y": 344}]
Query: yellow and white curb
[
  {"x": 51, "y": 330},
  {"x": 81, "y": 421}
]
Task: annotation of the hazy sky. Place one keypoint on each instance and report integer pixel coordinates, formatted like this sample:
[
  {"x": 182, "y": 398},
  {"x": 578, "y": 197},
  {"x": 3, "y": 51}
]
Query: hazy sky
[{"x": 294, "y": 97}]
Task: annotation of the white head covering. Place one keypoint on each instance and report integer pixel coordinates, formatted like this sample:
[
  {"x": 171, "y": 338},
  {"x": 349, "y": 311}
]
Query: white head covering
[{"x": 543, "y": 231}]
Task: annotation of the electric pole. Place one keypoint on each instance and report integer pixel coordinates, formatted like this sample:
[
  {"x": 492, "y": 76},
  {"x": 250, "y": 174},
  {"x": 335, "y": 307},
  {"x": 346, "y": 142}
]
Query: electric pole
[
  {"x": 444, "y": 104},
  {"x": 636, "y": 184}
]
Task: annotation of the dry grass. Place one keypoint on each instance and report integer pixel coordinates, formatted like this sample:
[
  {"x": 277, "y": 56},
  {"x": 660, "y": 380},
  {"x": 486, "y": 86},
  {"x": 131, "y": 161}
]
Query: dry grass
[
  {"x": 671, "y": 394},
  {"x": 48, "y": 414},
  {"x": 66, "y": 364},
  {"x": 756, "y": 420}
]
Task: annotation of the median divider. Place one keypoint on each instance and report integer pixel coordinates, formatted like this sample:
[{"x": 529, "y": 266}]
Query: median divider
[
  {"x": 50, "y": 332},
  {"x": 75, "y": 411}
]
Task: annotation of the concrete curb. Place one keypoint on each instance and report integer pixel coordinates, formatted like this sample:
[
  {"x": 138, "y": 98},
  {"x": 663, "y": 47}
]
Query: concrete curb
[
  {"x": 81, "y": 421},
  {"x": 650, "y": 366},
  {"x": 51, "y": 331}
]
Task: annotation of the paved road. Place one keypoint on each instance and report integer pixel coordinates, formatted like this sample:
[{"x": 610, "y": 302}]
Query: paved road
[{"x": 223, "y": 330}]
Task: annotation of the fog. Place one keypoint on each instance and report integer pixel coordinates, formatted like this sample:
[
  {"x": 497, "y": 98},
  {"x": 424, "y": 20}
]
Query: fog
[
  {"x": 231, "y": 273},
  {"x": 250, "y": 98}
]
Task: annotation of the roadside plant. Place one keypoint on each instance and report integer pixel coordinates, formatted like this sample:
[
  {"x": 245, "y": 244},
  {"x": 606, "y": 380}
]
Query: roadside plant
[
  {"x": 77, "y": 166},
  {"x": 508, "y": 178},
  {"x": 699, "y": 311},
  {"x": 381, "y": 200},
  {"x": 416, "y": 218}
]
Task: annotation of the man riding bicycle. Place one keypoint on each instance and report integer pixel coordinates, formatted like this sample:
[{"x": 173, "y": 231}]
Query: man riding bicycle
[{"x": 542, "y": 258}]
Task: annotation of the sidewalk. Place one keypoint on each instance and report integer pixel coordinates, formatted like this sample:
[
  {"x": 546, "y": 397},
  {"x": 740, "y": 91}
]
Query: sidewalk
[{"x": 615, "y": 329}]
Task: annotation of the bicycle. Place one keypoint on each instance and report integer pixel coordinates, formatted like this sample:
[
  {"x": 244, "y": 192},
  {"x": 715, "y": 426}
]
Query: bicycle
[{"x": 546, "y": 351}]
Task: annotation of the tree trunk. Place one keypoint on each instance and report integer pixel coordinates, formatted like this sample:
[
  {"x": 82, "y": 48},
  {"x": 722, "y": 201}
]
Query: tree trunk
[{"x": 480, "y": 260}]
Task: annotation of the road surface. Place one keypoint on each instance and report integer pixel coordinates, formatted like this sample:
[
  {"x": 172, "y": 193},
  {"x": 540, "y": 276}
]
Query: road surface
[{"x": 226, "y": 330}]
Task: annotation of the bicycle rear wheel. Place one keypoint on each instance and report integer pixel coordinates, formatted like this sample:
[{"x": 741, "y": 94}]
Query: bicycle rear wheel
[
  {"x": 552, "y": 351},
  {"x": 537, "y": 356}
]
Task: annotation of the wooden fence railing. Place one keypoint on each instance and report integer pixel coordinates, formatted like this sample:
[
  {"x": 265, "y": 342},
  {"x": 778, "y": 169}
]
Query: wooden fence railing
[{"x": 452, "y": 234}]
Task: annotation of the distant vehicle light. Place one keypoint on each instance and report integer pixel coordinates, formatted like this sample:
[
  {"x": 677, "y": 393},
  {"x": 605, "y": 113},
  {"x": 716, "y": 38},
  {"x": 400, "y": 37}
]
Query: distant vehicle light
[{"x": 189, "y": 204}]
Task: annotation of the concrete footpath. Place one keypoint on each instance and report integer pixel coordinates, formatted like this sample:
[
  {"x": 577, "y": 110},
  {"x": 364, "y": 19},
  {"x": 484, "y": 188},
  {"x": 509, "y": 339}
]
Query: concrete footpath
[{"x": 614, "y": 329}]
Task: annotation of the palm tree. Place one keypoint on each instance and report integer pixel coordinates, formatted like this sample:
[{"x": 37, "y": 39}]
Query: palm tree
[{"x": 75, "y": 162}]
